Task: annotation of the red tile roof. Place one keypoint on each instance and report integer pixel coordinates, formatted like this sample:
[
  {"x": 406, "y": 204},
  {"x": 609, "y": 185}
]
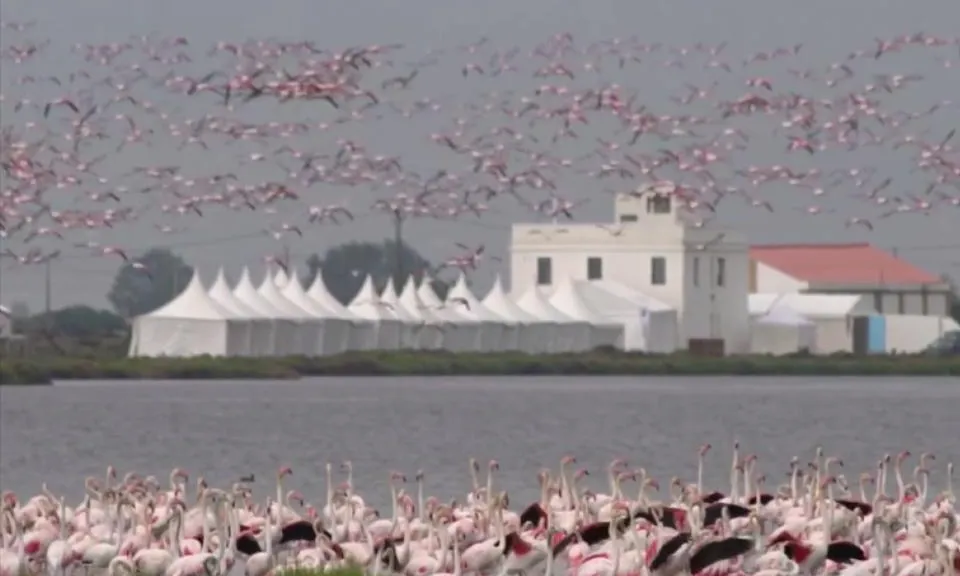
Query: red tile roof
[{"x": 840, "y": 264}]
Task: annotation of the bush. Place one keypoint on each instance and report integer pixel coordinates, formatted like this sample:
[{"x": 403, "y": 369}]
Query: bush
[{"x": 407, "y": 363}]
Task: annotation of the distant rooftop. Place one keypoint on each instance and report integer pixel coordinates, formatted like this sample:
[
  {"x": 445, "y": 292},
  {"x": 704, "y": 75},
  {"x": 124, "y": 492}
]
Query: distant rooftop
[{"x": 858, "y": 263}]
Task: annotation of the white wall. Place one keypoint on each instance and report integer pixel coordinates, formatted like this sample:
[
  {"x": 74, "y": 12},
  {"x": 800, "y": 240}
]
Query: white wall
[
  {"x": 911, "y": 333},
  {"x": 772, "y": 281},
  {"x": 705, "y": 309}
]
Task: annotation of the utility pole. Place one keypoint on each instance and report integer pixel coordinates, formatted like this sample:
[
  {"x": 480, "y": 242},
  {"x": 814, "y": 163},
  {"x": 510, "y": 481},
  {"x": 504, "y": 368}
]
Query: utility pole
[
  {"x": 285, "y": 263},
  {"x": 398, "y": 246}
]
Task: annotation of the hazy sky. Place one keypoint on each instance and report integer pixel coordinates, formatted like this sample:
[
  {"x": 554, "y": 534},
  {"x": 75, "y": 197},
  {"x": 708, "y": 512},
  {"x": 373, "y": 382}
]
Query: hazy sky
[{"x": 829, "y": 30}]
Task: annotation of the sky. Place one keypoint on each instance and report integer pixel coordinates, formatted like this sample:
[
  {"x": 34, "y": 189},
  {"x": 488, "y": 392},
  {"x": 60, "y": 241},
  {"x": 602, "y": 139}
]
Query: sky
[{"x": 827, "y": 30}]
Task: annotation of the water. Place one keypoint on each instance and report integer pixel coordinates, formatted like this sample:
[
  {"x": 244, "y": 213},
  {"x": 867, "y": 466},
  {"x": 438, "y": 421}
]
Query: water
[{"x": 224, "y": 430}]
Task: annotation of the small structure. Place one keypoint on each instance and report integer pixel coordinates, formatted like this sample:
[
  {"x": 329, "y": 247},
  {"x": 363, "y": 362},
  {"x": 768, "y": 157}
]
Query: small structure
[
  {"x": 890, "y": 284},
  {"x": 842, "y": 320},
  {"x": 779, "y": 329},
  {"x": 654, "y": 246}
]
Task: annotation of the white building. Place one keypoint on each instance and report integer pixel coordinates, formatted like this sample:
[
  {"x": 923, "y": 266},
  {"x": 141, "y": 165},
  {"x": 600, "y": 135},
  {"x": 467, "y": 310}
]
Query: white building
[
  {"x": 652, "y": 247},
  {"x": 891, "y": 285}
]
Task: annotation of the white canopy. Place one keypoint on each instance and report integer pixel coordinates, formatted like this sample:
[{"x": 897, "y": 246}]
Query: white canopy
[
  {"x": 281, "y": 278},
  {"x": 334, "y": 332},
  {"x": 367, "y": 304},
  {"x": 435, "y": 333},
  {"x": 776, "y": 328},
  {"x": 363, "y": 332},
  {"x": 604, "y": 332},
  {"x": 465, "y": 337},
  {"x": 815, "y": 305},
  {"x": 287, "y": 332},
  {"x": 571, "y": 335},
  {"x": 496, "y": 332},
  {"x": 649, "y": 325},
  {"x": 192, "y": 324},
  {"x": 535, "y": 335},
  {"x": 410, "y": 325},
  {"x": 261, "y": 328}
]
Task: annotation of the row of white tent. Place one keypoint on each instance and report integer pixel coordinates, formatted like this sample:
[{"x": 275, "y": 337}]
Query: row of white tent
[{"x": 280, "y": 317}]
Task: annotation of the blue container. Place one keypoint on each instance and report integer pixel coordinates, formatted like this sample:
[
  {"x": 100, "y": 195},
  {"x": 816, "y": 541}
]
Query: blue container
[{"x": 877, "y": 334}]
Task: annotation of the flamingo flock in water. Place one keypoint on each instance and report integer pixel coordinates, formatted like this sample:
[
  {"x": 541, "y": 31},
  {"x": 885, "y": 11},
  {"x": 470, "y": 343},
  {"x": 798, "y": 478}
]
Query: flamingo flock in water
[
  {"x": 76, "y": 148},
  {"x": 815, "y": 523}
]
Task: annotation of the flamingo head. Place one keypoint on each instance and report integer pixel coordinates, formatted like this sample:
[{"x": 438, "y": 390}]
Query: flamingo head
[
  {"x": 927, "y": 456},
  {"x": 296, "y": 497},
  {"x": 9, "y": 499},
  {"x": 284, "y": 471},
  {"x": 652, "y": 483},
  {"x": 761, "y": 479},
  {"x": 181, "y": 474},
  {"x": 617, "y": 464},
  {"x": 750, "y": 459},
  {"x": 866, "y": 478},
  {"x": 834, "y": 460},
  {"x": 704, "y": 449},
  {"x": 419, "y": 476},
  {"x": 505, "y": 500},
  {"x": 828, "y": 480},
  {"x": 493, "y": 465},
  {"x": 567, "y": 460},
  {"x": 474, "y": 465},
  {"x": 794, "y": 463},
  {"x": 346, "y": 466},
  {"x": 581, "y": 473},
  {"x": 397, "y": 477},
  {"x": 903, "y": 456},
  {"x": 111, "y": 472}
]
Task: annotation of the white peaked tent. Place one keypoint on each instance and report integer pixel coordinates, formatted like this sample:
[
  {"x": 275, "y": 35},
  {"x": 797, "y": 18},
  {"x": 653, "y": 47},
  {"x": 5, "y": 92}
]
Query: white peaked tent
[
  {"x": 570, "y": 336},
  {"x": 261, "y": 327},
  {"x": 281, "y": 279},
  {"x": 534, "y": 335},
  {"x": 310, "y": 327},
  {"x": 648, "y": 324},
  {"x": 366, "y": 304},
  {"x": 409, "y": 325},
  {"x": 362, "y": 333},
  {"x": 192, "y": 324},
  {"x": 462, "y": 333},
  {"x": 603, "y": 332},
  {"x": 286, "y": 340},
  {"x": 496, "y": 333},
  {"x": 433, "y": 330},
  {"x": 779, "y": 329},
  {"x": 334, "y": 332}
]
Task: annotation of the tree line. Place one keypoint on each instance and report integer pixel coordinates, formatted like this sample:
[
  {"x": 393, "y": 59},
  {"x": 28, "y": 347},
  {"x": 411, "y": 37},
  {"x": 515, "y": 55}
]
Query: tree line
[{"x": 164, "y": 274}]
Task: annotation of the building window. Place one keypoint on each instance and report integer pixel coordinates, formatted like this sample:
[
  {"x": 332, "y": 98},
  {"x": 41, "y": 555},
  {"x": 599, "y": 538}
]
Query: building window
[
  {"x": 696, "y": 270},
  {"x": 901, "y": 303},
  {"x": 628, "y": 218},
  {"x": 878, "y": 301},
  {"x": 594, "y": 268},
  {"x": 658, "y": 204},
  {"x": 721, "y": 271},
  {"x": 658, "y": 271},
  {"x": 544, "y": 271}
]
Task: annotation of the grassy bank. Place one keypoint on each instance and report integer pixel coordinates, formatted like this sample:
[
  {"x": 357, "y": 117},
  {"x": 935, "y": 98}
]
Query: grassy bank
[{"x": 45, "y": 370}]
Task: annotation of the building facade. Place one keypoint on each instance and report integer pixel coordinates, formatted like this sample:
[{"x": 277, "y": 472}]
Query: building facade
[
  {"x": 894, "y": 286},
  {"x": 652, "y": 246}
]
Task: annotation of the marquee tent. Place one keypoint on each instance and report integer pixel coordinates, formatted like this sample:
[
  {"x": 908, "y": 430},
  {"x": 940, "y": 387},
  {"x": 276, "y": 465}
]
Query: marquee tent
[
  {"x": 367, "y": 304},
  {"x": 603, "y": 331},
  {"x": 570, "y": 335},
  {"x": 192, "y": 324},
  {"x": 286, "y": 331},
  {"x": 496, "y": 332},
  {"x": 261, "y": 342},
  {"x": 310, "y": 327},
  {"x": 362, "y": 332},
  {"x": 648, "y": 324},
  {"x": 433, "y": 330},
  {"x": 466, "y": 325},
  {"x": 410, "y": 326},
  {"x": 779, "y": 329},
  {"x": 534, "y": 335},
  {"x": 334, "y": 333}
]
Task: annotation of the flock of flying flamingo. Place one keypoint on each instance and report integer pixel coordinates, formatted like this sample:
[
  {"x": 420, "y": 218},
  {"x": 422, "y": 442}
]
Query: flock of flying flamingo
[
  {"x": 815, "y": 523},
  {"x": 74, "y": 146}
]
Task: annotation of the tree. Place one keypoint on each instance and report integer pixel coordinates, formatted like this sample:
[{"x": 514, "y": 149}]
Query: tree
[
  {"x": 345, "y": 267},
  {"x": 137, "y": 291},
  {"x": 76, "y": 322}
]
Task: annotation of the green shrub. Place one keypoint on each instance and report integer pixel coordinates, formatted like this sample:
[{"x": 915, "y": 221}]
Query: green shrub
[{"x": 42, "y": 370}]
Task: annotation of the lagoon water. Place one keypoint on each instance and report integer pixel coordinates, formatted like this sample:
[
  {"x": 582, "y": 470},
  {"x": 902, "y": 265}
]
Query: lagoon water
[{"x": 224, "y": 430}]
